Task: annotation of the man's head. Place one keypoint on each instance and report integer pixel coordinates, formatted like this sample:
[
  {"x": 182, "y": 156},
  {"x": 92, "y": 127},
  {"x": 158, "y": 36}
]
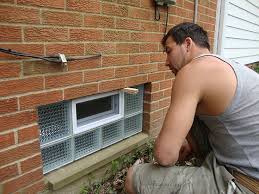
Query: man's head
[{"x": 182, "y": 43}]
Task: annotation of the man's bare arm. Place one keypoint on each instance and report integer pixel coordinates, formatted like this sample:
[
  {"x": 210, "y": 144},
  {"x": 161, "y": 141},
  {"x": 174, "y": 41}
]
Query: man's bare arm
[{"x": 186, "y": 95}]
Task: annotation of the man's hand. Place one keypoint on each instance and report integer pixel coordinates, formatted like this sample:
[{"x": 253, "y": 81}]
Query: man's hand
[{"x": 185, "y": 151}]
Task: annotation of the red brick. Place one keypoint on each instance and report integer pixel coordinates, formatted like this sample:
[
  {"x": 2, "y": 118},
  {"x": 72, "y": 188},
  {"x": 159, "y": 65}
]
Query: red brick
[
  {"x": 116, "y": 36},
  {"x": 111, "y": 85},
  {"x": 139, "y": 59},
  {"x": 150, "y": 26},
  {"x": 147, "y": 68},
  {"x": 139, "y": 13},
  {"x": 20, "y": 86},
  {"x": 154, "y": 115},
  {"x": 17, "y": 120},
  {"x": 35, "y": 188},
  {"x": 130, "y": 2},
  {"x": 8, "y": 172},
  {"x": 41, "y": 34},
  {"x": 164, "y": 103},
  {"x": 150, "y": 107},
  {"x": 106, "y": 48},
  {"x": 34, "y": 49},
  {"x": 18, "y": 153},
  {"x": 41, "y": 67},
  {"x": 10, "y": 34},
  {"x": 8, "y": 105},
  {"x": 43, "y": 3},
  {"x": 126, "y": 71},
  {"x": 6, "y": 140},
  {"x": 31, "y": 163},
  {"x": 22, "y": 181},
  {"x": 86, "y": 35},
  {"x": 89, "y": 6},
  {"x": 62, "y": 18},
  {"x": 98, "y": 75},
  {"x": 7, "y": 1},
  {"x": 125, "y": 48},
  {"x": 8, "y": 70},
  {"x": 12, "y": 14},
  {"x": 157, "y": 57},
  {"x": 114, "y": 9},
  {"x": 55, "y": 81},
  {"x": 153, "y": 87},
  {"x": 84, "y": 64},
  {"x": 154, "y": 96},
  {"x": 147, "y": 4},
  {"x": 156, "y": 76},
  {"x": 169, "y": 75},
  {"x": 99, "y": 21},
  {"x": 188, "y": 5},
  {"x": 127, "y": 24},
  {"x": 133, "y": 81},
  {"x": 34, "y": 100},
  {"x": 163, "y": 67},
  {"x": 167, "y": 92},
  {"x": 28, "y": 133},
  {"x": 166, "y": 84},
  {"x": 80, "y": 91},
  {"x": 146, "y": 37},
  {"x": 67, "y": 49},
  {"x": 114, "y": 60}
]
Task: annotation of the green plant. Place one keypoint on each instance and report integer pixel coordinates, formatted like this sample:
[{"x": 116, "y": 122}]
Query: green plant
[{"x": 113, "y": 181}]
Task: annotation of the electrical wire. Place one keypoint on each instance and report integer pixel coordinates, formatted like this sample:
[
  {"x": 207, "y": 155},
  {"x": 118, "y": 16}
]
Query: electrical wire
[
  {"x": 55, "y": 59},
  {"x": 166, "y": 21},
  {"x": 157, "y": 12}
]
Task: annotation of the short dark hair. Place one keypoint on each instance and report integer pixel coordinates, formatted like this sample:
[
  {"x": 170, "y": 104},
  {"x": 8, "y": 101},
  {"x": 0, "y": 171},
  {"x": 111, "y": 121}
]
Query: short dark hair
[{"x": 183, "y": 30}]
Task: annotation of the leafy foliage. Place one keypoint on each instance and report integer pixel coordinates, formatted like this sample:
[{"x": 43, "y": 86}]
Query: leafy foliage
[{"x": 114, "y": 179}]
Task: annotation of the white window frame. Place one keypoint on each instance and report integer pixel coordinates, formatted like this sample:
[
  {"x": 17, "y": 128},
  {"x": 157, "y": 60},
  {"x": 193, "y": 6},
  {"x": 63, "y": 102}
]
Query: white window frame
[{"x": 104, "y": 120}]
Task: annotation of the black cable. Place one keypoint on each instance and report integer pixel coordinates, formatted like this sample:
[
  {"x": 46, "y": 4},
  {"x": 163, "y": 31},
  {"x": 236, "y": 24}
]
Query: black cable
[
  {"x": 166, "y": 22},
  {"x": 55, "y": 59},
  {"x": 157, "y": 12}
]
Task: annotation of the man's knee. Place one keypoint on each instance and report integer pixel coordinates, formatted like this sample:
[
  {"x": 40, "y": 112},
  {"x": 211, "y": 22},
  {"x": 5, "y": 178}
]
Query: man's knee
[{"x": 129, "y": 182}]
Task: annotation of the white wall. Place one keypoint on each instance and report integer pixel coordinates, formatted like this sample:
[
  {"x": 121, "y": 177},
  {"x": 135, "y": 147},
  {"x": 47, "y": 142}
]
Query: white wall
[{"x": 238, "y": 36}]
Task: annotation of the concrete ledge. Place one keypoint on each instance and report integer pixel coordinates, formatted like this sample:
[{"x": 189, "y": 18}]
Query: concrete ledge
[{"x": 74, "y": 171}]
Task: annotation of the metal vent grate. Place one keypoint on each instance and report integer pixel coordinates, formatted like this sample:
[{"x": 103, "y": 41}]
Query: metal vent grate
[
  {"x": 56, "y": 155},
  {"x": 53, "y": 121},
  {"x": 134, "y": 102},
  {"x": 112, "y": 133},
  {"x": 133, "y": 125},
  {"x": 87, "y": 143}
]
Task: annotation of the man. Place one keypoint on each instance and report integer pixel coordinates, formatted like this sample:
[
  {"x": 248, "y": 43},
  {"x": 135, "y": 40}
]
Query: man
[{"x": 222, "y": 94}]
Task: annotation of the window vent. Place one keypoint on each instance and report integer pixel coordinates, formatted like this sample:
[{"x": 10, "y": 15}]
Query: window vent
[{"x": 70, "y": 130}]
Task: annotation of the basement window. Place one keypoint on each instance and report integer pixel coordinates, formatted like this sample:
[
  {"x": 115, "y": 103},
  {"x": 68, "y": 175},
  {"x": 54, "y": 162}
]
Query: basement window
[
  {"x": 90, "y": 112},
  {"x": 70, "y": 130}
]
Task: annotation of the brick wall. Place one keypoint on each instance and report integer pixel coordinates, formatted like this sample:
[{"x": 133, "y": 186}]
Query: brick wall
[{"x": 126, "y": 34}]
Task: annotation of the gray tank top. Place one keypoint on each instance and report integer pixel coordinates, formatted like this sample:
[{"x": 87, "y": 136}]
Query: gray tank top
[{"x": 234, "y": 135}]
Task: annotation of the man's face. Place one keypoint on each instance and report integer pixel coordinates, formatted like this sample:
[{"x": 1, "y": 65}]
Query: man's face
[{"x": 175, "y": 55}]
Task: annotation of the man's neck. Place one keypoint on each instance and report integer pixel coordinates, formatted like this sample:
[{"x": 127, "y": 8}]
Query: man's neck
[{"x": 200, "y": 52}]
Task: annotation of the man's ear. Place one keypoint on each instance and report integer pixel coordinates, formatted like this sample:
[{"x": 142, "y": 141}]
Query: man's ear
[{"x": 188, "y": 43}]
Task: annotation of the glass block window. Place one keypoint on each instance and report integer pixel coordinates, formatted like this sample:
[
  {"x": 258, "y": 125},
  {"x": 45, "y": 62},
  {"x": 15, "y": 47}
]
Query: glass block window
[
  {"x": 73, "y": 129},
  {"x": 54, "y": 121}
]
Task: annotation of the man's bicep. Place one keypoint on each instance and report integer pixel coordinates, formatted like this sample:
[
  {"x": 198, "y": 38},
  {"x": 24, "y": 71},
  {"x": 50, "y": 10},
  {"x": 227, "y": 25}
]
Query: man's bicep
[{"x": 178, "y": 121}]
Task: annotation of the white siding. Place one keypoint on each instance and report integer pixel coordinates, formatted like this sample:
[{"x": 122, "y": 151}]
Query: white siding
[{"x": 240, "y": 31}]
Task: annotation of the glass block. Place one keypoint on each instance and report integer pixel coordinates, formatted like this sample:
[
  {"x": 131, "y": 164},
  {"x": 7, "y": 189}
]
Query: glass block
[
  {"x": 134, "y": 102},
  {"x": 133, "y": 125},
  {"x": 53, "y": 121},
  {"x": 56, "y": 155},
  {"x": 87, "y": 143},
  {"x": 112, "y": 133}
]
